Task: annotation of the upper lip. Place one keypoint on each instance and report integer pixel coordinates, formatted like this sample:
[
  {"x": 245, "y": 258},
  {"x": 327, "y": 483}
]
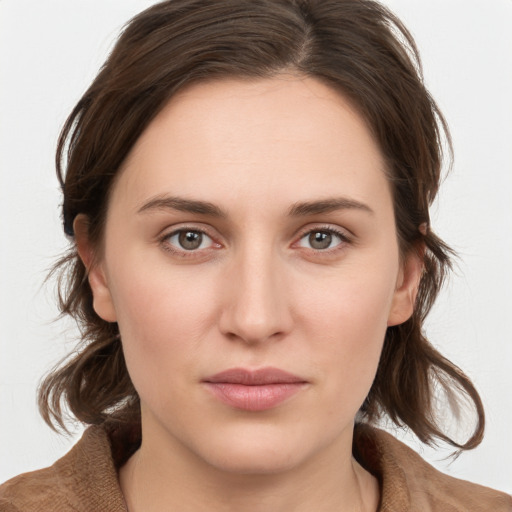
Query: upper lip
[{"x": 257, "y": 377}]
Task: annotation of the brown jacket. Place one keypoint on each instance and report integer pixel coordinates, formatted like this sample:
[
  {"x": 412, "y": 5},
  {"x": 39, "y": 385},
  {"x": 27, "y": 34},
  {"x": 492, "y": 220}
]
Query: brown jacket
[{"x": 85, "y": 480}]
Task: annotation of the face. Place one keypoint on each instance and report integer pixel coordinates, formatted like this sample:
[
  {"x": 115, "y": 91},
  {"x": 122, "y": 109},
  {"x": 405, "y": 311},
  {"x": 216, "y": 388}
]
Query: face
[{"x": 251, "y": 261}]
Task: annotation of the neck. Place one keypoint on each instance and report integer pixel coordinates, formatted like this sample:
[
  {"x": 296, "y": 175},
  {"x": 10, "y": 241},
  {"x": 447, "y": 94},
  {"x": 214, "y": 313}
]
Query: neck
[{"x": 156, "y": 479}]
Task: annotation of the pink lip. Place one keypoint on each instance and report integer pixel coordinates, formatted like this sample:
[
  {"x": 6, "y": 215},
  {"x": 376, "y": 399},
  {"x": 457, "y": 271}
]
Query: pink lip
[{"x": 256, "y": 390}]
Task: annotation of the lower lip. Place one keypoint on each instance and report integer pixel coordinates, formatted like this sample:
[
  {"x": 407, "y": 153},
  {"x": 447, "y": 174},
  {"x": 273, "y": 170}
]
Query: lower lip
[{"x": 254, "y": 398}]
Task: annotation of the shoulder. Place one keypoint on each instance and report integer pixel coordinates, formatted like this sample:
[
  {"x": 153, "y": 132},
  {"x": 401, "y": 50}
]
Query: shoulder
[
  {"x": 84, "y": 479},
  {"x": 408, "y": 483},
  {"x": 34, "y": 491}
]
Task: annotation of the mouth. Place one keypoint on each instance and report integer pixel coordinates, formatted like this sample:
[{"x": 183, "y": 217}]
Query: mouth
[{"x": 254, "y": 390}]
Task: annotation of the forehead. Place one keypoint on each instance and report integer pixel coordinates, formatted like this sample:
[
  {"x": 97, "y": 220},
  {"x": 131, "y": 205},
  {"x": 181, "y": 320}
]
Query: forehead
[{"x": 284, "y": 138}]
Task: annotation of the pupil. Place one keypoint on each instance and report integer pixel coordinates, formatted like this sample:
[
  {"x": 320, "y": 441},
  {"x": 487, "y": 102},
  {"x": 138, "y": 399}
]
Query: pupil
[
  {"x": 320, "y": 240},
  {"x": 190, "y": 240}
]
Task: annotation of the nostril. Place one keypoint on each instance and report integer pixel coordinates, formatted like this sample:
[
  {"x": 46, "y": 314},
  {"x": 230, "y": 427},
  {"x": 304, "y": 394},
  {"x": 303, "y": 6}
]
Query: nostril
[{"x": 253, "y": 337}]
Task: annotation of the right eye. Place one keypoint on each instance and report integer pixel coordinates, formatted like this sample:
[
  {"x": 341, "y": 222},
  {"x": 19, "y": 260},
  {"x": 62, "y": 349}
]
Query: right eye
[{"x": 188, "y": 240}]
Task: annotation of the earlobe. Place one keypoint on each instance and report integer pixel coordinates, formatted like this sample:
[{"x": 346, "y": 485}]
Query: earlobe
[
  {"x": 406, "y": 290},
  {"x": 102, "y": 299}
]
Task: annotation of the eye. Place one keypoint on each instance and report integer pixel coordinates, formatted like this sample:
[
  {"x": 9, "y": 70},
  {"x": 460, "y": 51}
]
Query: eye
[
  {"x": 189, "y": 240},
  {"x": 322, "y": 239}
]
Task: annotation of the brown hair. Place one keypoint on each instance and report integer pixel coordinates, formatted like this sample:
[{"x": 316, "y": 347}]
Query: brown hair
[{"x": 355, "y": 46}]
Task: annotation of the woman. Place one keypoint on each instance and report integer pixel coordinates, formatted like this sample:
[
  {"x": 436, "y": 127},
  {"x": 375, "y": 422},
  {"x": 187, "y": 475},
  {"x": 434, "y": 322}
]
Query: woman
[{"x": 247, "y": 188}]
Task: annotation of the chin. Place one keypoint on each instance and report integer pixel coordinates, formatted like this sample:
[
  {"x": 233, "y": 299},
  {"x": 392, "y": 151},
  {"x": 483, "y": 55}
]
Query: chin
[
  {"x": 254, "y": 460},
  {"x": 258, "y": 450}
]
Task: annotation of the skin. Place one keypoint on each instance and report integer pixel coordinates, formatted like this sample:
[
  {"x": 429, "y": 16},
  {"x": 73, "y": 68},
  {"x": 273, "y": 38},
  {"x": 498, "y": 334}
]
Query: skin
[{"x": 256, "y": 293}]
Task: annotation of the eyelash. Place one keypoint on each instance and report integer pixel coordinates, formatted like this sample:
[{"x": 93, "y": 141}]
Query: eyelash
[
  {"x": 343, "y": 237},
  {"x": 184, "y": 253}
]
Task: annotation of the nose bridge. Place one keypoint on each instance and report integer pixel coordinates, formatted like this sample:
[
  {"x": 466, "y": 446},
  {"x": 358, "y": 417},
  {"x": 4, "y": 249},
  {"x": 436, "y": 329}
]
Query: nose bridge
[{"x": 257, "y": 308}]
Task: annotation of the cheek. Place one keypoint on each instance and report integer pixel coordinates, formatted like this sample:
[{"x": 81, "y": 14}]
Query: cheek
[
  {"x": 354, "y": 300},
  {"x": 163, "y": 317},
  {"x": 348, "y": 318},
  {"x": 168, "y": 319}
]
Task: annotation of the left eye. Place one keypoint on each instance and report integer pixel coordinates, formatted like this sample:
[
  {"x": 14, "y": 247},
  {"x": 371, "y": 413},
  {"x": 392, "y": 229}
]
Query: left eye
[
  {"x": 321, "y": 240},
  {"x": 189, "y": 240}
]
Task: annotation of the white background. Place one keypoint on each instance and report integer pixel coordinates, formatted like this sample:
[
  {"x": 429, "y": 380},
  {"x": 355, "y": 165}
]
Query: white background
[{"x": 50, "y": 50}]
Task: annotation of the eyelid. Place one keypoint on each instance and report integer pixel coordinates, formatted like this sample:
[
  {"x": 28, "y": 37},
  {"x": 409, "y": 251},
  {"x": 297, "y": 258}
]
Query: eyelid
[
  {"x": 169, "y": 232},
  {"x": 345, "y": 236}
]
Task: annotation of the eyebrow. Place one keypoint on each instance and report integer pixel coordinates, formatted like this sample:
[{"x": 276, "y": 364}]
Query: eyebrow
[
  {"x": 296, "y": 210},
  {"x": 183, "y": 205},
  {"x": 327, "y": 206}
]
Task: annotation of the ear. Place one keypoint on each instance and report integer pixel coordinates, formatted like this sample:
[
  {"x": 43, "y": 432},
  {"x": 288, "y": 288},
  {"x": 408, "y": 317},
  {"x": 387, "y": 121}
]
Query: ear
[
  {"x": 407, "y": 285},
  {"x": 102, "y": 299}
]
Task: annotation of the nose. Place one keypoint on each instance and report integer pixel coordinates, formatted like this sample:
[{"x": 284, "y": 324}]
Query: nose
[{"x": 256, "y": 307}]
